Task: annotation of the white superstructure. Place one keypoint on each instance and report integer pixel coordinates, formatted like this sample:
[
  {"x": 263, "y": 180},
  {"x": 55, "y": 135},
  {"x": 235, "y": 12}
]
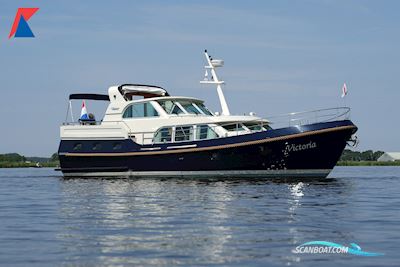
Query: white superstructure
[{"x": 148, "y": 114}]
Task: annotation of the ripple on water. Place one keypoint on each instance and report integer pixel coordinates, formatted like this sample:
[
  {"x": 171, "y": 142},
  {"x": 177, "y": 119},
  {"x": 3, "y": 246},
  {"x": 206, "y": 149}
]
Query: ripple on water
[{"x": 47, "y": 220}]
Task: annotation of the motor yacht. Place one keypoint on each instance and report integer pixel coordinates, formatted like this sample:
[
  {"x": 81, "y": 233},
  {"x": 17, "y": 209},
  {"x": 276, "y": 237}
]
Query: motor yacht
[{"x": 146, "y": 132}]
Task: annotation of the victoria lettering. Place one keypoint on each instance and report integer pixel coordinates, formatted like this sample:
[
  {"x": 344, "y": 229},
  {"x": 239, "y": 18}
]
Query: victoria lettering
[{"x": 299, "y": 147}]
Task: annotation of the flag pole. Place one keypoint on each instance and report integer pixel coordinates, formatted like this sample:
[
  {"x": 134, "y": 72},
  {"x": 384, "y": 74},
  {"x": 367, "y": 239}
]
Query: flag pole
[
  {"x": 344, "y": 93},
  {"x": 70, "y": 108}
]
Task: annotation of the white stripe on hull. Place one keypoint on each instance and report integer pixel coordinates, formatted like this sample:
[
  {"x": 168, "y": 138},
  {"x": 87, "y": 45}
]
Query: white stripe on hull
[{"x": 308, "y": 173}]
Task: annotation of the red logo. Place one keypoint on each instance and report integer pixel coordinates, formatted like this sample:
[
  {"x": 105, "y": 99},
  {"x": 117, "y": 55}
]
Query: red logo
[{"x": 20, "y": 27}]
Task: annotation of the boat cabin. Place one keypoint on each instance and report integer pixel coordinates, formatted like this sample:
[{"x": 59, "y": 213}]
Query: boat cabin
[{"x": 148, "y": 115}]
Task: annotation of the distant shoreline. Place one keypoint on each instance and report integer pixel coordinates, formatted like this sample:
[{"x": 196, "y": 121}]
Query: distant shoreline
[
  {"x": 15, "y": 160},
  {"x": 348, "y": 158},
  {"x": 7, "y": 165}
]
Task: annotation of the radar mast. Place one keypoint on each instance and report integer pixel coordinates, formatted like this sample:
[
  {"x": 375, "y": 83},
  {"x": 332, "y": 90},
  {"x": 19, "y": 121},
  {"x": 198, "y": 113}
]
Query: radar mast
[{"x": 212, "y": 65}]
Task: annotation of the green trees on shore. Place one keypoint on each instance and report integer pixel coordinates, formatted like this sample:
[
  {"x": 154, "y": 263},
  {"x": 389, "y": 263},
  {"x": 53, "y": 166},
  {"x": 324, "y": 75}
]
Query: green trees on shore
[
  {"x": 348, "y": 158},
  {"x": 14, "y": 160},
  {"x": 369, "y": 155},
  {"x": 364, "y": 158},
  {"x": 12, "y": 157}
]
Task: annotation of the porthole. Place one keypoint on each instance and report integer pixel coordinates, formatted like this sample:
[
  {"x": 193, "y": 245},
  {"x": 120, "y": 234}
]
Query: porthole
[
  {"x": 96, "y": 146},
  {"x": 77, "y": 146},
  {"x": 117, "y": 146}
]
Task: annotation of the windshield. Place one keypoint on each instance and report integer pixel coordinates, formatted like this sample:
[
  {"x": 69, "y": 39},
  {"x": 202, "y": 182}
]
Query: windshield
[
  {"x": 203, "y": 108},
  {"x": 170, "y": 107},
  {"x": 190, "y": 108},
  {"x": 184, "y": 106}
]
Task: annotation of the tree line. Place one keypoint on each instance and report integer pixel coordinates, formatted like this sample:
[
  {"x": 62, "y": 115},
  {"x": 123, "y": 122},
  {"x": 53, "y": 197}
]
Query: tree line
[
  {"x": 10, "y": 160},
  {"x": 368, "y": 155},
  {"x": 17, "y": 160}
]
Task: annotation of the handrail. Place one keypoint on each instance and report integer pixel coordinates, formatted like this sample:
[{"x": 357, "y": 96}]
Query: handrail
[
  {"x": 93, "y": 123},
  {"x": 309, "y": 117}
]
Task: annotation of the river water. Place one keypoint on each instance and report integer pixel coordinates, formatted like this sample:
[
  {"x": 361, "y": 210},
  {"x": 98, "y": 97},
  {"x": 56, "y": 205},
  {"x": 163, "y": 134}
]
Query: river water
[{"x": 46, "y": 220}]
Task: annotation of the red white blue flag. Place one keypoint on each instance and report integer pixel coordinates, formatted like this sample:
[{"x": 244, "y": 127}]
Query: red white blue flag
[{"x": 84, "y": 114}]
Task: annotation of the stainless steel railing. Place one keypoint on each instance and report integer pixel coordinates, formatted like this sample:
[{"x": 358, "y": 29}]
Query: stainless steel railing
[{"x": 310, "y": 117}]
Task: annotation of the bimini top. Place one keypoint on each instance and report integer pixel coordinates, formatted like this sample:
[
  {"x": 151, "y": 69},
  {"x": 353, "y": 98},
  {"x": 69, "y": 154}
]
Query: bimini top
[
  {"x": 90, "y": 97},
  {"x": 147, "y": 91}
]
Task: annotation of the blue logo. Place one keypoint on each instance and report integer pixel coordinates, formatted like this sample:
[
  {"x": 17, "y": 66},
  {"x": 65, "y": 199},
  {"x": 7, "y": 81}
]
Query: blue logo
[
  {"x": 325, "y": 247},
  {"x": 20, "y": 27}
]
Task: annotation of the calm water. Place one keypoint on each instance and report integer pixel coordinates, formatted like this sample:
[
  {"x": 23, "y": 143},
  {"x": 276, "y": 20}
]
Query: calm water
[{"x": 46, "y": 220}]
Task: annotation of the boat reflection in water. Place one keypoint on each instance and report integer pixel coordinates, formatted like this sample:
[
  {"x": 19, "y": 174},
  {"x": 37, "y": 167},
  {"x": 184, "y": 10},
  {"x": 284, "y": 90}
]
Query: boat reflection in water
[{"x": 175, "y": 221}]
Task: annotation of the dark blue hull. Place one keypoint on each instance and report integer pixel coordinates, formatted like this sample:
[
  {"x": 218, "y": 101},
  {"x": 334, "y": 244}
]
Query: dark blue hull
[{"x": 309, "y": 150}]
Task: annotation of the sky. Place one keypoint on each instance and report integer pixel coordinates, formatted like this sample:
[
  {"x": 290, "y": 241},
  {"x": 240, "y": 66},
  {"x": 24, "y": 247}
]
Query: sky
[{"x": 280, "y": 56}]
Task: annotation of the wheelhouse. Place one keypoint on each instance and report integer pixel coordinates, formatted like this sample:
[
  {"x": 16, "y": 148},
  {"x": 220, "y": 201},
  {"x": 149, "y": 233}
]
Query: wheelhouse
[
  {"x": 157, "y": 117},
  {"x": 165, "y": 107}
]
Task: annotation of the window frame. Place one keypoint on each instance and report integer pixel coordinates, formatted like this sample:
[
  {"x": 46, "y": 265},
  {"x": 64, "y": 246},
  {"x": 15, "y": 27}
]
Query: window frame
[
  {"x": 196, "y": 104},
  {"x": 240, "y": 127},
  {"x": 141, "y": 103},
  {"x": 197, "y": 133},
  {"x": 175, "y": 103},
  {"x": 190, "y": 135},
  {"x": 171, "y": 136},
  {"x": 192, "y": 104}
]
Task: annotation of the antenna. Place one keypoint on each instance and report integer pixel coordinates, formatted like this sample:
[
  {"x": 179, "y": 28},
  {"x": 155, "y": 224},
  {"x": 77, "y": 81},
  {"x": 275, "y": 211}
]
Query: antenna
[
  {"x": 212, "y": 65},
  {"x": 206, "y": 76}
]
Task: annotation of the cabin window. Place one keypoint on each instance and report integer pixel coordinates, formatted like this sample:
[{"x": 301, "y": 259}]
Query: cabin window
[
  {"x": 204, "y": 109},
  {"x": 183, "y": 133},
  {"x": 205, "y": 132},
  {"x": 255, "y": 126},
  {"x": 182, "y": 106},
  {"x": 77, "y": 146},
  {"x": 96, "y": 146},
  {"x": 189, "y": 107},
  {"x": 170, "y": 107},
  {"x": 163, "y": 135},
  {"x": 117, "y": 146},
  {"x": 140, "y": 110},
  {"x": 233, "y": 127}
]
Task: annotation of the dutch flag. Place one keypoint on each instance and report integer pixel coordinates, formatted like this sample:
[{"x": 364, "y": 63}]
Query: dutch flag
[{"x": 84, "y": 114}]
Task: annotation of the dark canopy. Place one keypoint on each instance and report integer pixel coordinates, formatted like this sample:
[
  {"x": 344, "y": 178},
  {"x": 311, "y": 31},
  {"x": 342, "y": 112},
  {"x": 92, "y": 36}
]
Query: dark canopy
[{"x": 89, "y": 96}]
